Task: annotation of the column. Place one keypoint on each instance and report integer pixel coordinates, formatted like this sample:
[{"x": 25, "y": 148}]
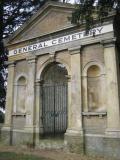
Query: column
[
  {"x": 74, "y": 89},
  {"x": 30, "y": 102},
  {"x": 37, "y": 112},
  {"x": 37, "y": 104},
  {"x": 85, "y": 93},
  {"x": 113, "y": 108},
  {"x": 38, "y": 116},
  {"x": 10, "y": 95}
]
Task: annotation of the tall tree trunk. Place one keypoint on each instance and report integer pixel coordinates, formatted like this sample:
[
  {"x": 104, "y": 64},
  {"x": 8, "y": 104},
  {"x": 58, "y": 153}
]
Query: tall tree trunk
[
  {"x": 2, "y": 58},
  {"x": 1, "y": 28}
]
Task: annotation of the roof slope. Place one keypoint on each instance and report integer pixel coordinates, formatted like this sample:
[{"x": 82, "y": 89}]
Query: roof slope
[{"x": 50, "y": 18}]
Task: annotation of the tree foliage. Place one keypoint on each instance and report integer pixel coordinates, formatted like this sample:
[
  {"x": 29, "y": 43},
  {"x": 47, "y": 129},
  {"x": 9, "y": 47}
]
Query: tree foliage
[
  {"x": 1, "y": 117},
  {"x": 16, "y": 12},
  {"x": 12, "y": 15},
  {"x": 90, "y": 11}
]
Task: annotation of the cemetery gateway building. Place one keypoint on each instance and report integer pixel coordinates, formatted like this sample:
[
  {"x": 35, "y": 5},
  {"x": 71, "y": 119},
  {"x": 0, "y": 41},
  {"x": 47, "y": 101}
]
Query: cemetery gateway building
[{"x": 63, "y": 83}]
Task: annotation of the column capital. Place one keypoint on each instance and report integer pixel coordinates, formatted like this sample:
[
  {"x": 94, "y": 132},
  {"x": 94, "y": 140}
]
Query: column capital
[
  {"x": 74, "y": 50},
  {"x": 38, "y": 82},
  {"x": 68, "y": 77},
  {"x": 31, "y": 59},
  {"x": 108, "y": 42},
  {"x": 10, "y": 64},
  {"x": 52, "y": 54}
]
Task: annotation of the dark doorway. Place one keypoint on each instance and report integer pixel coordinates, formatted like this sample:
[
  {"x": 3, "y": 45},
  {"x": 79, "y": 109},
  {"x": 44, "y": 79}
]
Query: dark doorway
[{"x": 54, "y": 99}]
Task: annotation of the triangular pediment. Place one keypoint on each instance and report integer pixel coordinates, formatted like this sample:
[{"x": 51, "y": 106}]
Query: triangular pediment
[{"x": 50, "y": 18}]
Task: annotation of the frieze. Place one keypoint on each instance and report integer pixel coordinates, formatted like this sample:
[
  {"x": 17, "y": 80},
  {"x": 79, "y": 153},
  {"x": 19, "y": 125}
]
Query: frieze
[{"x": 62, "y": 40}]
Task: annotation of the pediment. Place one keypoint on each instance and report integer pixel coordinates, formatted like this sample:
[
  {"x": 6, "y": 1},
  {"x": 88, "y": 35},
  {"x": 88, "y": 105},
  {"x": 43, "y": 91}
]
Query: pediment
[{"x": 50, "y": 18}]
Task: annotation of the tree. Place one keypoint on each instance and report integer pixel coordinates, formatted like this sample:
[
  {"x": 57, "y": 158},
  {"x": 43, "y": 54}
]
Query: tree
[
  {"x": 90, "y": 11},
  {"x": 12, "y": 15},
  {"x": 1, "y": 117}
]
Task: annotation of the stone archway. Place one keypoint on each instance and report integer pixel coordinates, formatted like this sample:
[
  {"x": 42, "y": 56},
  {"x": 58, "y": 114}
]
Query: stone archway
[{"x": 54, "y": 96}]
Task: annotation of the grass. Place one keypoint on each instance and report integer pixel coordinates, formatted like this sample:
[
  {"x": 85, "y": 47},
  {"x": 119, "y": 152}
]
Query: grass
[
  {"x": 14, "y": 153},
  {"x": 15, "y": 156}
]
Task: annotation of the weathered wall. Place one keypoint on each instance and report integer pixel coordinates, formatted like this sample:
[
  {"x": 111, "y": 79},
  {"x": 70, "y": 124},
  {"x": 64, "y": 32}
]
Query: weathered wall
[
  {"x": 93, "y": 84},
  {"x": 93, "y": 102},
  {"x": 21, "y": 68},
  {"x": 43, "y": 60},
  {"x": 92, "y": 52}
]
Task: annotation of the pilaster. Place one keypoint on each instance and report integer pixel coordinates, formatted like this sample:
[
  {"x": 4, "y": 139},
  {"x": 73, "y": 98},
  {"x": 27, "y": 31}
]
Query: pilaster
[
  {"x": 113, "y": 108},
  {"x": 30, "y": 104},
  {"x": 75, "y": 108},
  {"x": 38, "y": 116},
  {"x": 10, "y": 95},
  {"x": 74, "y": 134}
]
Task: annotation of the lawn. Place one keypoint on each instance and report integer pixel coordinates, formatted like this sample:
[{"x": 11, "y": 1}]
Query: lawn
[
  {"x": 15, "y": 156},
  {"x": 17, "y": 153}
]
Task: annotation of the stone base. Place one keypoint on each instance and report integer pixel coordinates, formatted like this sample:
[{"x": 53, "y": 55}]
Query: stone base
[
  {"x": 5, "y": 136},
  {"x": 74, "y": 143},
  {"x": 112, "y": 147},
  {"x": 94, "y": 144},
  {"x": 112, "y": 133},
  {"x": 16, "y": 137},
  {"x": 91, "y": 144},
  {"x": 51, "y": 143},
  {"x": 102, "y": 145}
]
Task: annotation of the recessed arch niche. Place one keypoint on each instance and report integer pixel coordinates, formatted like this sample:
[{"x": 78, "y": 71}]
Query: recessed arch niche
[
  {"x": 21, "y": 94},
  {"x": 93, "y": 87}
]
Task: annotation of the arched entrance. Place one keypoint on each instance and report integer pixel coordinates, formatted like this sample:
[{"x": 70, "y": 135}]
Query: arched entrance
[{"x": 54, "y": 99}]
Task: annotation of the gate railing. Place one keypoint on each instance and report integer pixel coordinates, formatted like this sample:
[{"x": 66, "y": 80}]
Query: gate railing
[{"x": 54, "y": 108}]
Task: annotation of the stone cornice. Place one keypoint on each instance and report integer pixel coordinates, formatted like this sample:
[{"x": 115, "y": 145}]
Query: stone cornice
[
  {"x": 10, "y": 64},
  {"x": 108, "y": 42},
  {"x": 74, "y": 50},
  {"x": 31, "y": 59}
]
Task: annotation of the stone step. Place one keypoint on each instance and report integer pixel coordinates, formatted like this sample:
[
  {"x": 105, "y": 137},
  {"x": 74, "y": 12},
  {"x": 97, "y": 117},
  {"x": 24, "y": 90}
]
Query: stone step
[{"x": 51, "y": 143}]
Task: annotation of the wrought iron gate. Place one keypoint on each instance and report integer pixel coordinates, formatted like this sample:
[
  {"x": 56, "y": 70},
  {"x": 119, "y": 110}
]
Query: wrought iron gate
[{"x": 54, "y": 101}]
